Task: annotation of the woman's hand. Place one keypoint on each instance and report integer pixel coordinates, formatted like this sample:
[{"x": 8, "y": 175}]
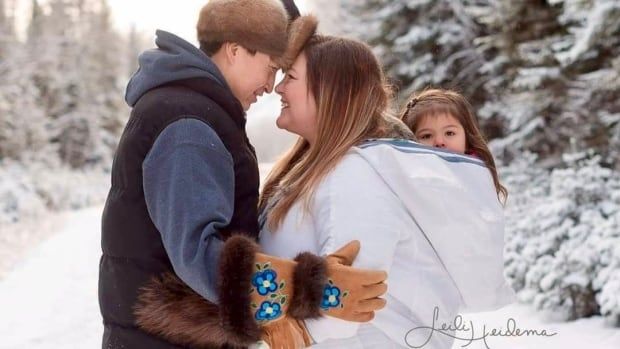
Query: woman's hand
[{"x": 352, "y": 294}]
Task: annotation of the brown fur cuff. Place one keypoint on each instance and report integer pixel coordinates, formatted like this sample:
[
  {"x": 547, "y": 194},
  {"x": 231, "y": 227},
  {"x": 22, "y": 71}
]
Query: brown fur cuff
[
  {"x": 236, "y": 268},
  {"x": 170, "y": 309},
  {"x": 309, "y": 279}
]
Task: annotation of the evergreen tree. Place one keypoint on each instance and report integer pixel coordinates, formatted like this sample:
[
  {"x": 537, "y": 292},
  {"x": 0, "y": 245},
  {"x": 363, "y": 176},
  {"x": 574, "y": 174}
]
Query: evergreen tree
[
  {"x": 35, "y": 25},
  {"x": 7, "y": 29},
  {"x": 542, "y": 75},
  {"x": 422, "y": 43},
  {"x": 562, "y": 236}
]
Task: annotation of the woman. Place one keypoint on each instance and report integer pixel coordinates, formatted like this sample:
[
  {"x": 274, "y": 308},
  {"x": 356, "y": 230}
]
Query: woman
[{"x": 430, "y": 218}]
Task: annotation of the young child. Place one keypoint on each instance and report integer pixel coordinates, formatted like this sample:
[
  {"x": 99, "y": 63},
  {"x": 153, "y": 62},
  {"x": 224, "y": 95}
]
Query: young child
[{"x": 444, "y": 119}]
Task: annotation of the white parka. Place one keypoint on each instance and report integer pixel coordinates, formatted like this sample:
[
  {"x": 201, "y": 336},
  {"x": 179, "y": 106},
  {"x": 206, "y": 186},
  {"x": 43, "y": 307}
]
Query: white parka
[{"x": 430, "y": 218}]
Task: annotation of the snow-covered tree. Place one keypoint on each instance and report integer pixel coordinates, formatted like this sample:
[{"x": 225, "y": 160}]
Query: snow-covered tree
[
  {"x": 61, "y": 106},
  {"x": 35, "y": 25},
  {"x": 563, "y": 235},
  {"x": 7, "y": 28},
  {"x": 90, "y": 132},
  {"x": 22, "y": 122},
  {"x": 553, "y": 84},
  {"x": 542, "y": 75},
  {"x": 422, "y": 43}
]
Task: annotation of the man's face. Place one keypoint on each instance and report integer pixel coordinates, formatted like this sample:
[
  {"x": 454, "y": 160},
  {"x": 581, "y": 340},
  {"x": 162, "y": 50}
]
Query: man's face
[{"x": 252, "y": 75}]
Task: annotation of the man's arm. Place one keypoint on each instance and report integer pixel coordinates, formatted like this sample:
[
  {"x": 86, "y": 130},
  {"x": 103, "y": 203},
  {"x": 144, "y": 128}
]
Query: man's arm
[{"x": 189, "y": 190}]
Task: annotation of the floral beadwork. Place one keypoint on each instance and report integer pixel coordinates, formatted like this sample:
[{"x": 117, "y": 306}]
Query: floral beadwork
[
  {"x": 265, "y": 281},
  {"x": 268, "y": 311},
  {"x": 332, "y": 296}
]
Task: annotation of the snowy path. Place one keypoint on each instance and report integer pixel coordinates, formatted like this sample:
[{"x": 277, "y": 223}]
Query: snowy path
[
  {"x": 50, "y": 301},
  {"x": 585, "y": 333}
]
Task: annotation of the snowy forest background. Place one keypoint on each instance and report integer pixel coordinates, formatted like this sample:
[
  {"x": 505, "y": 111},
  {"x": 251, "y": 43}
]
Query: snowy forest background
[{"x": 543, "y": 76}]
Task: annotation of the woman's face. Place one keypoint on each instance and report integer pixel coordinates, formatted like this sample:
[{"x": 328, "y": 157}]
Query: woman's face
[
  {"x": 442, "y": 131},
  {"x": 299, "y": 109}
]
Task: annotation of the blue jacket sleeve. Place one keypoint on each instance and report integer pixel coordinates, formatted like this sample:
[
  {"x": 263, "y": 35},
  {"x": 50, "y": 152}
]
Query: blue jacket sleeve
[{"x": 189, "y": 189}]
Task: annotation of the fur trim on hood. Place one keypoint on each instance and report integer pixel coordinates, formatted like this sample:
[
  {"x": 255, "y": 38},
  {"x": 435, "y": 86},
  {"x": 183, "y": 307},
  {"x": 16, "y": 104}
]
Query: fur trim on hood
[{"x": 299, "y": 32}]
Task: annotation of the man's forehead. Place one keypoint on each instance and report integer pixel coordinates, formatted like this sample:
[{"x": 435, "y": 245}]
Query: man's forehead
[{"x": 273, "y": 62}]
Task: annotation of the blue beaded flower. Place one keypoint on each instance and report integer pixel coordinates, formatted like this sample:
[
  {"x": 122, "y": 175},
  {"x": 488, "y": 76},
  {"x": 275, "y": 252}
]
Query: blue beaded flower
[
  {"x": 268, "y": 311},
  {"x": 265, "y": 281},
  {"x": 331, "y": 297}
]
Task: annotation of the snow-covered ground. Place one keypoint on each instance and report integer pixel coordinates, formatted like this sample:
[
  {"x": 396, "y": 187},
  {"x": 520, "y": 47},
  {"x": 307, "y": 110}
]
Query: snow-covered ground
[
  {"x": 584, "y": 333},
  {"x": 49, "y": 300}
]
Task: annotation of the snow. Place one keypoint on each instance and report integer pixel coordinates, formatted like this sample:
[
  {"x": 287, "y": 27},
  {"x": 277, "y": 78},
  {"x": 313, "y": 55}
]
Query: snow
[
  {"x": 49, "y": 300},
  {"x": 583, "y": 333}
]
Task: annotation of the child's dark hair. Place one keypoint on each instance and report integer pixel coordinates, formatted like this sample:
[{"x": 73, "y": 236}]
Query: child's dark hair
[{"x": 433, "y": 102}]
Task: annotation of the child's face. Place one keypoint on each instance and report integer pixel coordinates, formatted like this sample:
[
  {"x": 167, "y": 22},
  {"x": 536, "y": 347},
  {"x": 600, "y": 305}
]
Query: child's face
[{"x": 442, "y": 131}]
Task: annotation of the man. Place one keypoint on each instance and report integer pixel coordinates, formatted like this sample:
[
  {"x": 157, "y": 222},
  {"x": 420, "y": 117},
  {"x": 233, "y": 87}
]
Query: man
[{"x": 185, "y": 181}]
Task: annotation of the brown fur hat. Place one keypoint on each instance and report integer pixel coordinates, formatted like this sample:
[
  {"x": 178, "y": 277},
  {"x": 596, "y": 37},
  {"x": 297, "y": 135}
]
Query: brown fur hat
[
  {"x": 299, "y": 32},
  {"x": 258, "y": 25}
]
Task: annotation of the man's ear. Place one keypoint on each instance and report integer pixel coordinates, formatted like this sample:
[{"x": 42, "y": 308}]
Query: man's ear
[{"x": 231, "y": 49}]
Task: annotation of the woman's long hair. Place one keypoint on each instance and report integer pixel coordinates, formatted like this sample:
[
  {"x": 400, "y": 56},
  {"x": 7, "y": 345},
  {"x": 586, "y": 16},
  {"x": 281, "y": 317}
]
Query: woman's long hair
[
  {"x": 433, "y": 102},
  {"x": 353, "y": 103}
]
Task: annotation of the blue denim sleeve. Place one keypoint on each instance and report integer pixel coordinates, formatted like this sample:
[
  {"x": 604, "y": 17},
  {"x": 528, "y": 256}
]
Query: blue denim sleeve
[{"x": 189, "y": 189}]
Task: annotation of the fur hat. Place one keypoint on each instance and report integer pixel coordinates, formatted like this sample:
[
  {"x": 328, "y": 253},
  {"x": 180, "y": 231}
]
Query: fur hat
[
  {"x": 299, "y": 32},
  {"x": 259, "y": 25},
  {"x": 291, "y": 8}
]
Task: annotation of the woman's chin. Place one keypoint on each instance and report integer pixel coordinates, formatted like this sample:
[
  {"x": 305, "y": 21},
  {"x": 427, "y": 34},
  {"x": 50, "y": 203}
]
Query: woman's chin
[{"x": 281, "y": 121}]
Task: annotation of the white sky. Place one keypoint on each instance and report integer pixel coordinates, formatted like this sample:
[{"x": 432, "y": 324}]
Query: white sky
[{"x": 176, "y": 16}]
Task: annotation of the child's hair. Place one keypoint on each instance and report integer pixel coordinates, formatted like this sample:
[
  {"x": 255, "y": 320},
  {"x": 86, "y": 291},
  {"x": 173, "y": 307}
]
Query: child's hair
[{"x": 433, "y": 102}]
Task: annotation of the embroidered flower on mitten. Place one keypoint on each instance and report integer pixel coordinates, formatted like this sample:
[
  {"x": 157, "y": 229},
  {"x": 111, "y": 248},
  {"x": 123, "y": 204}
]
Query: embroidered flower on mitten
[
  {"x": 272, "y": 298},
  {"x": 265, "y": 281},
  {"x": 268, "y": 311},
  {"x": 331, "y": 296}
]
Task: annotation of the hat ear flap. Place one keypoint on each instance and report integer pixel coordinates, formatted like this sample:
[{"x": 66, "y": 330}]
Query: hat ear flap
[
  {"x": 291, "y": 8},
  {"x": 299, "y": 32}
]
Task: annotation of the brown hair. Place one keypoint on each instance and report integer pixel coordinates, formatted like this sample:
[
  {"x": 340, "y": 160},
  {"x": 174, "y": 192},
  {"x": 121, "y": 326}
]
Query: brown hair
[
  {"x": 210, "y": 48},
  {"x": 433, "y": 102},
  {"x": 352, "y": 101}
]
